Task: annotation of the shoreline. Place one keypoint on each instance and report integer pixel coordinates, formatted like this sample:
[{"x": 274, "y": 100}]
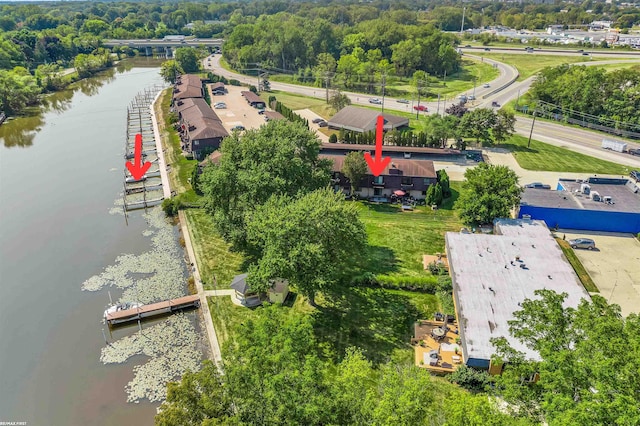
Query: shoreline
[{"x": 212, "y": 337}]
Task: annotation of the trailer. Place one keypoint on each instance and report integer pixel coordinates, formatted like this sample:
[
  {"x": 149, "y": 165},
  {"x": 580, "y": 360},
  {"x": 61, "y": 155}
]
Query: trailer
[{"x": 614, "y": 145}]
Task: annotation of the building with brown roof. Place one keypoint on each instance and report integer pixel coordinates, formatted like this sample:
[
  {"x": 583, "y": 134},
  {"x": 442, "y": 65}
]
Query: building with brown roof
[
  {"x": 187, "y": 86},
  {"x": 364, "y": 120},
  {"x": 273, "y": 115},
  {"x": 218, "y": 88},
  {"x": 201, "y": 129},
  {"x": 409, "y": 177},
  {"x": 253, "y": 99}
]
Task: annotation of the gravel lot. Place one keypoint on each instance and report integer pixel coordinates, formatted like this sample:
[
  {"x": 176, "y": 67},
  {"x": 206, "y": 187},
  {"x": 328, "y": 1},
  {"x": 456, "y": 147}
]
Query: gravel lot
[{"x": 614, "y": 266}]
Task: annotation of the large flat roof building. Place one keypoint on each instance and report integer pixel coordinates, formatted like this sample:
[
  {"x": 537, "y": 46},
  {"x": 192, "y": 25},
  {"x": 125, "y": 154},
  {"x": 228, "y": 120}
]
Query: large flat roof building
[
  {"x": 493, "y": 274},
  {"x": 594, "y": 204}
]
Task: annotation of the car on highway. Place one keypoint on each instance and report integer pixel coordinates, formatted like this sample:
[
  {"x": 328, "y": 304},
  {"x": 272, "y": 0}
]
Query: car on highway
[
  {"x": 420, "y": 108},
  {"x": 220, "y": 105},
  {"x": 486, "y": 85},
  {"x": 467, "y": 46},
  {"x": 585, "y": 53},
  {"x": 471, "y": 97},
  {"x": 580, "y": 51},
  {"x": 583, "y": 243},
  {"x": 238, "y": 128},
  {"x": 634, "y": 151},
  {"x": 494, "y": 104},
  {"x": 402, "y": 101},
  {"x": 375, "y": 101},
  {"x": 317, "y": 120},
  {"x": 486, "y": 49}
]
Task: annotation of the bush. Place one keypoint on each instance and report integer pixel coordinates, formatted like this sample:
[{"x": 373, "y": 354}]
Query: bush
[
  {"x": 445, "y": 298},
  {"x": 470, "y": 379},
  {"x": 253, "y": 89},
  {"x": 170, "y": 206},
  {"x": 333, "y": 138},
  {"x": 234, "y": 82}
]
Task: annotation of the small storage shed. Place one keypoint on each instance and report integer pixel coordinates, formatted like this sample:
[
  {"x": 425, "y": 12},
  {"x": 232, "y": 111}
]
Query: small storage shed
[{"x": 278, "y": 291}]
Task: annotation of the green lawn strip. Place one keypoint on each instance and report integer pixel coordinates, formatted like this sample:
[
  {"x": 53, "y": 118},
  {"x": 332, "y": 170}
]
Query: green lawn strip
[
  {"x": 545, "y": 157},
  {"x": 397, "y": 239},
  {"x": 582, "y": 273},
  {"x": 212, "y": 252},
  {"x": 529, "y": 64},
  {"x": 293, "y": 101}
]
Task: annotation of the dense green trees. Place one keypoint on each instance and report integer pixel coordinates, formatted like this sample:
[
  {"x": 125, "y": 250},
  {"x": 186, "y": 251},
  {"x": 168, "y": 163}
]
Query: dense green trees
[
  {"x": 187, "y": 59},
  {"x": 608, "y": 96},
  {"x": 313, "y": 241},
  {"x": 280, "y": 158},
  {"x": 488, "y": 192},
  {"x": 589, "y": 359}
]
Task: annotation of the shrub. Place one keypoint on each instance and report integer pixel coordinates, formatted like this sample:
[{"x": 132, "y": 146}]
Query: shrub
[
  {"x": 169, "y": 207},
  {"x": 234, "y": 82},
  {"x": 333, "y": 138},
  {"x": 253, "y": 89},
  {"x": 470, "y": 379},
  {"x": 445, "y": 299}
]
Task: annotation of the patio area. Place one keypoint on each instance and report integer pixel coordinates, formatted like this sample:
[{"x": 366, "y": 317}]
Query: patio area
[{"x": 435, "y": 345}]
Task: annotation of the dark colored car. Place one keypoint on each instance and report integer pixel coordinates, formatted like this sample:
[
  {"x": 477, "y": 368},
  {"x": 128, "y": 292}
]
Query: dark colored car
[
  {"x": 420, "y": 108},
  {"x": 322, "y": 124},
  {"x": 634, "y": 151},
  {"x": 317, "y": 120},
  {"x": 486, "y": 49},
  {"x": 635, "y": 175},
  {"x": 495, "y": 104},
  {"x": 238, "y": 128}
]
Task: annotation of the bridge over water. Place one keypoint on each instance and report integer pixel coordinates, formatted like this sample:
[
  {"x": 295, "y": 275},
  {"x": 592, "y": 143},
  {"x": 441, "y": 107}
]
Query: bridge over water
[{"x": 150, "y": 47}]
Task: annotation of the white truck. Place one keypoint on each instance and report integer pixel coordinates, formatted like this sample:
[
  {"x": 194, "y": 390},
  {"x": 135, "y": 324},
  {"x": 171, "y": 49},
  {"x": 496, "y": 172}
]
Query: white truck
[{"x": 614, "y": 145}]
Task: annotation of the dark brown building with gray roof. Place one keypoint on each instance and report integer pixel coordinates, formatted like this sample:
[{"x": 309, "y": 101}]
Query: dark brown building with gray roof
[
  {"x": 364, "y": 120},
  {"x": 201, "y": 129},
  {"x": 412, "y": 177},
  {"x": 187, "y": 86}
]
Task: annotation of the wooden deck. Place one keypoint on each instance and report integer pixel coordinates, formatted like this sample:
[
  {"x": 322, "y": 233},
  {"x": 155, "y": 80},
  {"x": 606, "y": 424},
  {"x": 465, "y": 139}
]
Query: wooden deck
[
  {"x": 154, "y": 309},
  {"x": 424, "y": 343}
]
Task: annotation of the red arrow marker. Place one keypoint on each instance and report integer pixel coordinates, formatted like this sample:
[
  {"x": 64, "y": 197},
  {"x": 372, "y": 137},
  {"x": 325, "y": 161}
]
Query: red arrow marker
[
  {"x": 137, "y": 169},
  {"x": 378, "y": 164}
]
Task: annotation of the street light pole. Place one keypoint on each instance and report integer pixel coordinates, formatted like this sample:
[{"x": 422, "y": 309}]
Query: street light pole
[{"x": 384, "y": 81}]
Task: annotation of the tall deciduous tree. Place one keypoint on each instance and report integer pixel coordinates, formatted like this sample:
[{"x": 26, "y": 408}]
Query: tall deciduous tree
[
  {"x": 488, "y": 192},
  {"x": 589, "y": 359},
  {"x": 354, "y": 168},
  {"x": 169, "y": 70},
  {"x": 280, "y": 158},
  {"x": 313, "y": 241},
  {"x": 187, "y": 59}
]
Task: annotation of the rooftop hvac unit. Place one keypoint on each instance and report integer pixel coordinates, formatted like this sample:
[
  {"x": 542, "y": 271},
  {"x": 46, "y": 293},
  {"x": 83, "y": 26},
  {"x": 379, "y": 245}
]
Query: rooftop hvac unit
[
  {"x": 585, "y": 189},
  {"x": 595, "y": 196},
  {"x": 526, "y": 216},
  {"x": 607, "y": 199}
]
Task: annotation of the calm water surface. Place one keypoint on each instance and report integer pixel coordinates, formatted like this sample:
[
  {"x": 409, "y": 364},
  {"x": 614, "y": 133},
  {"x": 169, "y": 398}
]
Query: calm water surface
[{"x": 60, "y": 172}]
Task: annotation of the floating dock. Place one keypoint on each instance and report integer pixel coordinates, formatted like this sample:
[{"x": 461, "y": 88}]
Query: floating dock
[
  {"x": 150, "y": 191},
  {"x": 154, "y": 309}
]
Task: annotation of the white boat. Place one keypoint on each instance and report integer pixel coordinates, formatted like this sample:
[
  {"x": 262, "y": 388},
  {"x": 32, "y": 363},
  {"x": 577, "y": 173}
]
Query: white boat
[
  {"x": 122, "y": 307},
  {"x": 131, "y": 179}
]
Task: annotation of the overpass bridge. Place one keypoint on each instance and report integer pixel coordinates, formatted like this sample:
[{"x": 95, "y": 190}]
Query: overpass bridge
[{"x": 166, "y": 47}]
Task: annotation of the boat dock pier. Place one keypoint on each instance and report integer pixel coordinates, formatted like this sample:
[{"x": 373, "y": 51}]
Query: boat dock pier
[
  {"x": 149, "y": 191},
  {"x": 154, "y": 309}
]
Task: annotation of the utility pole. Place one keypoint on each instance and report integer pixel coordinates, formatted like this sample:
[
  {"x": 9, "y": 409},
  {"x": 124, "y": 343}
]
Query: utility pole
[
  {"x": 384, "y": 82},
  {"x": 474, "y": 88},
  {"x": 518, "y": 100},
  {"x": 326, "y": 83},
  {"x": 462, "y": 26},
  {"x": 531, "y": 132},
  {"x": 438, "y": 108},
  {"x": 418, "y": 107}
]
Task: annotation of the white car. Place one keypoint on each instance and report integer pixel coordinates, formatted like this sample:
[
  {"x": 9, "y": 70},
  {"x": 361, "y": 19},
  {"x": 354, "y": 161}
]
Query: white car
[
  {"x": 486, "y": 85},
  {"x": 220, "y": 105},
  {"x": 375, "y": 101}
]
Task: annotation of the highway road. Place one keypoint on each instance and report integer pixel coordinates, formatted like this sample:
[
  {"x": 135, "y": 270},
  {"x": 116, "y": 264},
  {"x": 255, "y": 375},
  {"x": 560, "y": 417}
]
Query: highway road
[
  {"x": 552, "y": 52},
  {"x": 574, "y": 139}
]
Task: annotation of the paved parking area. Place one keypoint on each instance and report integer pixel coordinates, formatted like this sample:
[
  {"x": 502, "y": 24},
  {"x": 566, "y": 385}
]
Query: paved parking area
[
  {"x": 238, "y": 111},
  {"x": 310, "y": 115},
  {"x": 614, "y": 266}
]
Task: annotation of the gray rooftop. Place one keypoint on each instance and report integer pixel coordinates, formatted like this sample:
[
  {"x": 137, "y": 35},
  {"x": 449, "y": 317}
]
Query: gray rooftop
[
  {"x": 364, "y": 120},
  {"x": 239, "y": 284},
  {"x": 624, "y": 193},
  {"x": 488, "y": 287}
]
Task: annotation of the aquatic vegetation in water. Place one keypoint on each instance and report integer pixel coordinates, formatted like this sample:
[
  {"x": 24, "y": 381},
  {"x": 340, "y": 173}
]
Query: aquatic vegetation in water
[
  {"x": 162, "y": 266},
  {"x": 172, "y": 347}
]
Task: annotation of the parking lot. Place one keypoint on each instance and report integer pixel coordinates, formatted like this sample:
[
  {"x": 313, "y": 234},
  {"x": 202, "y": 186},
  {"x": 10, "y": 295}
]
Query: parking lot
[
  {"x": 614, "y": 266},
  {"x": 238, "y": 111}
]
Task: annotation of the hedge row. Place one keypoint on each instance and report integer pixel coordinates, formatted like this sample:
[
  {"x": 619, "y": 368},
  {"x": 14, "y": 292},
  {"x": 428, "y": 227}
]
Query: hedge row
[{"x": 429, "y": 283}]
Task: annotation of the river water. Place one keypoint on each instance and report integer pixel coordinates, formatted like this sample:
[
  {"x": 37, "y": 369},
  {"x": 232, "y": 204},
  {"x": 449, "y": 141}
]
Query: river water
[{"x": 60, "y": 172}]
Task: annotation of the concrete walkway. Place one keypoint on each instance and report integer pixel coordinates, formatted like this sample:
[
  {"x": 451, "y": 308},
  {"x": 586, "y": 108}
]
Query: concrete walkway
[
  {"x": 204, "y": 306},
  {"x": 211, "y": 293}
]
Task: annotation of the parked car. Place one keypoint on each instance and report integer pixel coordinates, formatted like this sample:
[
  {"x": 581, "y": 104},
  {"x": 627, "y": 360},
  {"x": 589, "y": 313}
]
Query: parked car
[
  {"x": 375, "y": 101},
  {"x": 317, "y": 120},
  {"x": 471, "y": 97},
  {"x": 420, "y": 108},
  {"x": 261, "y": 111},
  {"x": 486, "y": 85},
  {"x": 635, "y": 175},
  {"x": 238, "y": 128},
  {"x": 538, "y": 185},
  {"x": 402, "y": 101},
  {"x": 220, "y": 105},
  {"x": 583, "y": 243},
  {"x": 323, "y": 124}
]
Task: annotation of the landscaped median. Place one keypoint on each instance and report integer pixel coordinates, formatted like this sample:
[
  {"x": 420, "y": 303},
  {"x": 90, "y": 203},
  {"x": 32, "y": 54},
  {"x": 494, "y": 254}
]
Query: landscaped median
[{"x": 582, "y": 273}]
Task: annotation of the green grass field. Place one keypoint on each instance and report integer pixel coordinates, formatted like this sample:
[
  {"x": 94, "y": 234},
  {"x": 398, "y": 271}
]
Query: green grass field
[
  {"x": 527, "y": 65},
  {"x": 582, "y": 273},
  {"x": 545, "y": 157},
  {"x": 212, "y": 252}
]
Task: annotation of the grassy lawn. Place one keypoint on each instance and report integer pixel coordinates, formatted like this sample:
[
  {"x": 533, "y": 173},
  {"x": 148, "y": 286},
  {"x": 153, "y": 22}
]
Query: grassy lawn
[
  {"x": 293, "y": 101},
  {"x": 397, "y": 239},
  {"x": 527, "y": 65},
  {"x": 545, "y": 157},
  {"x": 582, "y": 273},
  {"x": 377, "y": 320},
  {"x": 212, "y": 252}
]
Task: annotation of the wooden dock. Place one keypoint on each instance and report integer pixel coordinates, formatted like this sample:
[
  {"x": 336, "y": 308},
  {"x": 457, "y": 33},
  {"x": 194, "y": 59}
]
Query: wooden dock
[{"x": 154, "y": 309}]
